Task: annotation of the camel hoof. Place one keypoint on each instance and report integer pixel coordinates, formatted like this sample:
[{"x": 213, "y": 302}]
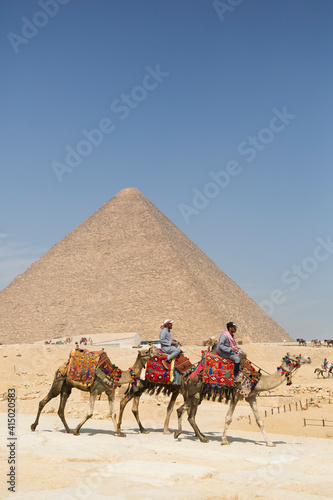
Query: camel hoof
[
  {"x": 166, "y": 431},
  {"x": 144, "y": 431},
  {"x": 204, "y": 440},
  {"x": 121, "y": 434},
  {"x": 76, "y": 433},
  {"x": 33, "y": 427},
  {"x": 224, "y": 443},
  {"x": 271, "y": 445},
  {"x": 176, "y": 434}
]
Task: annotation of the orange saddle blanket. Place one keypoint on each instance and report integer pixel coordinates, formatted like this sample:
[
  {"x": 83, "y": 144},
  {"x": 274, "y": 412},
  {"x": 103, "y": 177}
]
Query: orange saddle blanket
[{"x": 83, "y": 365}]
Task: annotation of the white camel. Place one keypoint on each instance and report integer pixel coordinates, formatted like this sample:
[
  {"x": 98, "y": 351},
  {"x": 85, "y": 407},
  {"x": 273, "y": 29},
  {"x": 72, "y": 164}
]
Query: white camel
[{"x": 284, "y": 372}]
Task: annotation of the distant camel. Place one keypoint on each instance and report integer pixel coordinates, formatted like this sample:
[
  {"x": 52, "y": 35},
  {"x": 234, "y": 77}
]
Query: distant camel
[
  {"x": 301, "y": 342},
  {"x": 63, "y": 385},
  {"x": 284, "y": 372},
  {"x": 319, "y": 370}
]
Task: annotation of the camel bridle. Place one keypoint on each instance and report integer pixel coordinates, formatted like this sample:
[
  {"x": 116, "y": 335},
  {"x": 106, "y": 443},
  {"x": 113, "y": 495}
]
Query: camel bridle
[{"x": 292, "y": 364}]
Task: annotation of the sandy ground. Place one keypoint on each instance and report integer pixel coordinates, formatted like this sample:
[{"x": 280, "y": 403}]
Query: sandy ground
[{"x": 51, "y": 464}]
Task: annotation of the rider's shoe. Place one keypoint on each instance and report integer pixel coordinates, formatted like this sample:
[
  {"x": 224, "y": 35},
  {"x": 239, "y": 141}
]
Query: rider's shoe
[{"x": 166, "y": 364}]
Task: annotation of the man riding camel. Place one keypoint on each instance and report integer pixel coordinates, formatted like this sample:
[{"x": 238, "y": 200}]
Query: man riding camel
[
  {"x": 227, "y": 348},
  {"x": 168, "y": 344}
]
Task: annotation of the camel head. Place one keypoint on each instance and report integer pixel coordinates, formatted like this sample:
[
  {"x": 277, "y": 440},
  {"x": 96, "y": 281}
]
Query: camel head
[
  {"x": 290, "y": 364},
  {"x": 296, "y": 360},
  {"x": 145, "y": 354}
]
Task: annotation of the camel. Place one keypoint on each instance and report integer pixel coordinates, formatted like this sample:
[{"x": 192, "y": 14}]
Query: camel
[
  {"x": 284, "y": 372},
  {"x": 135, "y": 393},
  {"x": 63, "y": 385},
  {"x": 319, "y": 370}
]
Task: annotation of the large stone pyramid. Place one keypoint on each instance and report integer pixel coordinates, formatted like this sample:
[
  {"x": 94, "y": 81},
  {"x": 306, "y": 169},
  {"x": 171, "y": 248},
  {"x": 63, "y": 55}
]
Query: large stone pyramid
[{"x": 127, "y": 268}]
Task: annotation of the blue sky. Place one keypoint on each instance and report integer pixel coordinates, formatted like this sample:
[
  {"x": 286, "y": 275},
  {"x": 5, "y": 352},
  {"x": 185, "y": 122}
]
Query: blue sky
[{"x": 219, "y": 112}]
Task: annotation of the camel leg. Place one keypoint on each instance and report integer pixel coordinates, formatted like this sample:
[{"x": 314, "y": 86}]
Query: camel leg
[
  {"x": 228, "y": 420},
  {"x": 135, "y": 411},
  {"x": 255, "y": 410},
  {"x": 126, "y": 399},
  {"x": 169, "y": 411},
  {"x": 191, "y": 418},
  {"x": 93, "y": 396},
  {"x": 65, "y": 393},
  {"x": 53, "y": 393},
  {"x": 112, "y": 415},
  {"x": 180, "y": 412}
]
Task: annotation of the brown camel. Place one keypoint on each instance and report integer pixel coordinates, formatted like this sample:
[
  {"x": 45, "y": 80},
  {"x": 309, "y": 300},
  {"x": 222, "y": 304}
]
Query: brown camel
[
  {"x": 63, "y": 385},
  {"x": 135, "y": 393},
  {"x": 288, "y": 366}
]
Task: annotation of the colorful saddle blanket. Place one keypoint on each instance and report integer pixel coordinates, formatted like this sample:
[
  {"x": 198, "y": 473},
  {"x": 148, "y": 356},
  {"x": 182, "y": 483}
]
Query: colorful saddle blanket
[
  {"x": 155, "y": 371},
  {"x": 84, "y": 365},
  {"x": 217, "y": 371}
]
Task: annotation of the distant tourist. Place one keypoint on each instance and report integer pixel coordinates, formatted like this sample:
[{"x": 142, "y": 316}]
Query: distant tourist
[
  {"x": 168, "y": 344},
  {"x": 227, "y": 348},
  {"x": 325, "y": 364}
]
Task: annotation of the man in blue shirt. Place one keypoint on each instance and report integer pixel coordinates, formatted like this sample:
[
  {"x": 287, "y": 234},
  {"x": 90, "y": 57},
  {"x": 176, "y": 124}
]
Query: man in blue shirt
[{"x": 168, "y": 344}]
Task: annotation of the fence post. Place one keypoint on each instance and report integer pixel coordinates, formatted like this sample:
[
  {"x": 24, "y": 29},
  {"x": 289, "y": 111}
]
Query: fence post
[
  {"x": 249, "y": 419},
  {"x": 296, "y": 405},
  {"x": 323, "y": 422},
  {"x": 289, "y": 407},
  {"x": 304, "y": 422},
  {"x": 284, "y": 407}
]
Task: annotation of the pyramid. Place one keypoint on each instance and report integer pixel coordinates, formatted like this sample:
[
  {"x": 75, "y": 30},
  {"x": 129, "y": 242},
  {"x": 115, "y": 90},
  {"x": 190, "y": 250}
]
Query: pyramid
[{"x": 127, "y": 268}]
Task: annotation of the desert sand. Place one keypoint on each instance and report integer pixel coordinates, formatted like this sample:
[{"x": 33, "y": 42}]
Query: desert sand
[{"x": 51, "y": 464}]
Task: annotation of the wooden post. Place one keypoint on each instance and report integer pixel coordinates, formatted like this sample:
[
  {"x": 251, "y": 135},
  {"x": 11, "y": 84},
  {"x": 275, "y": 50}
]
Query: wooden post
[
  {"x": 265, "y": 413},
  {"x": 289, "y": 407},
  {"x": 296, "y": 406},
  {"x": 272, "y": 410},
  {"x": 284, "y": 407},
  {"x": 323, "y": 422},
  {"x": 304, "y": 422},
  {"x": 278, "y": 409},
  {"x": 249, "y": 419}
]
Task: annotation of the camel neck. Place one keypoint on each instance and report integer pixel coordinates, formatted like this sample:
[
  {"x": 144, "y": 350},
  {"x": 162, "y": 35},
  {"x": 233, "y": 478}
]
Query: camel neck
[{"x": 269, "y": 382}]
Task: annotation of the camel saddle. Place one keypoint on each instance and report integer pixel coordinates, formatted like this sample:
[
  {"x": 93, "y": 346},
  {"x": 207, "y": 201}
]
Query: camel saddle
[
  {"x": 84, "y": 365},
  {"x": 183, "y": 364}
]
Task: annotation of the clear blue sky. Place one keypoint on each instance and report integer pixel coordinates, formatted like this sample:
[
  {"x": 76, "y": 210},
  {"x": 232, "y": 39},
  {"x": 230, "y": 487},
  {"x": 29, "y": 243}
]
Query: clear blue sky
[{"x": 181, "y": 91}]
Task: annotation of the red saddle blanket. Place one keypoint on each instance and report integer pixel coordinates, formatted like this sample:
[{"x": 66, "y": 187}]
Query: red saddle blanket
[
  {"x": 155, "y": 371},
  {"x": 217, "y": 371},
  {"x": 83, "y": 365}
]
